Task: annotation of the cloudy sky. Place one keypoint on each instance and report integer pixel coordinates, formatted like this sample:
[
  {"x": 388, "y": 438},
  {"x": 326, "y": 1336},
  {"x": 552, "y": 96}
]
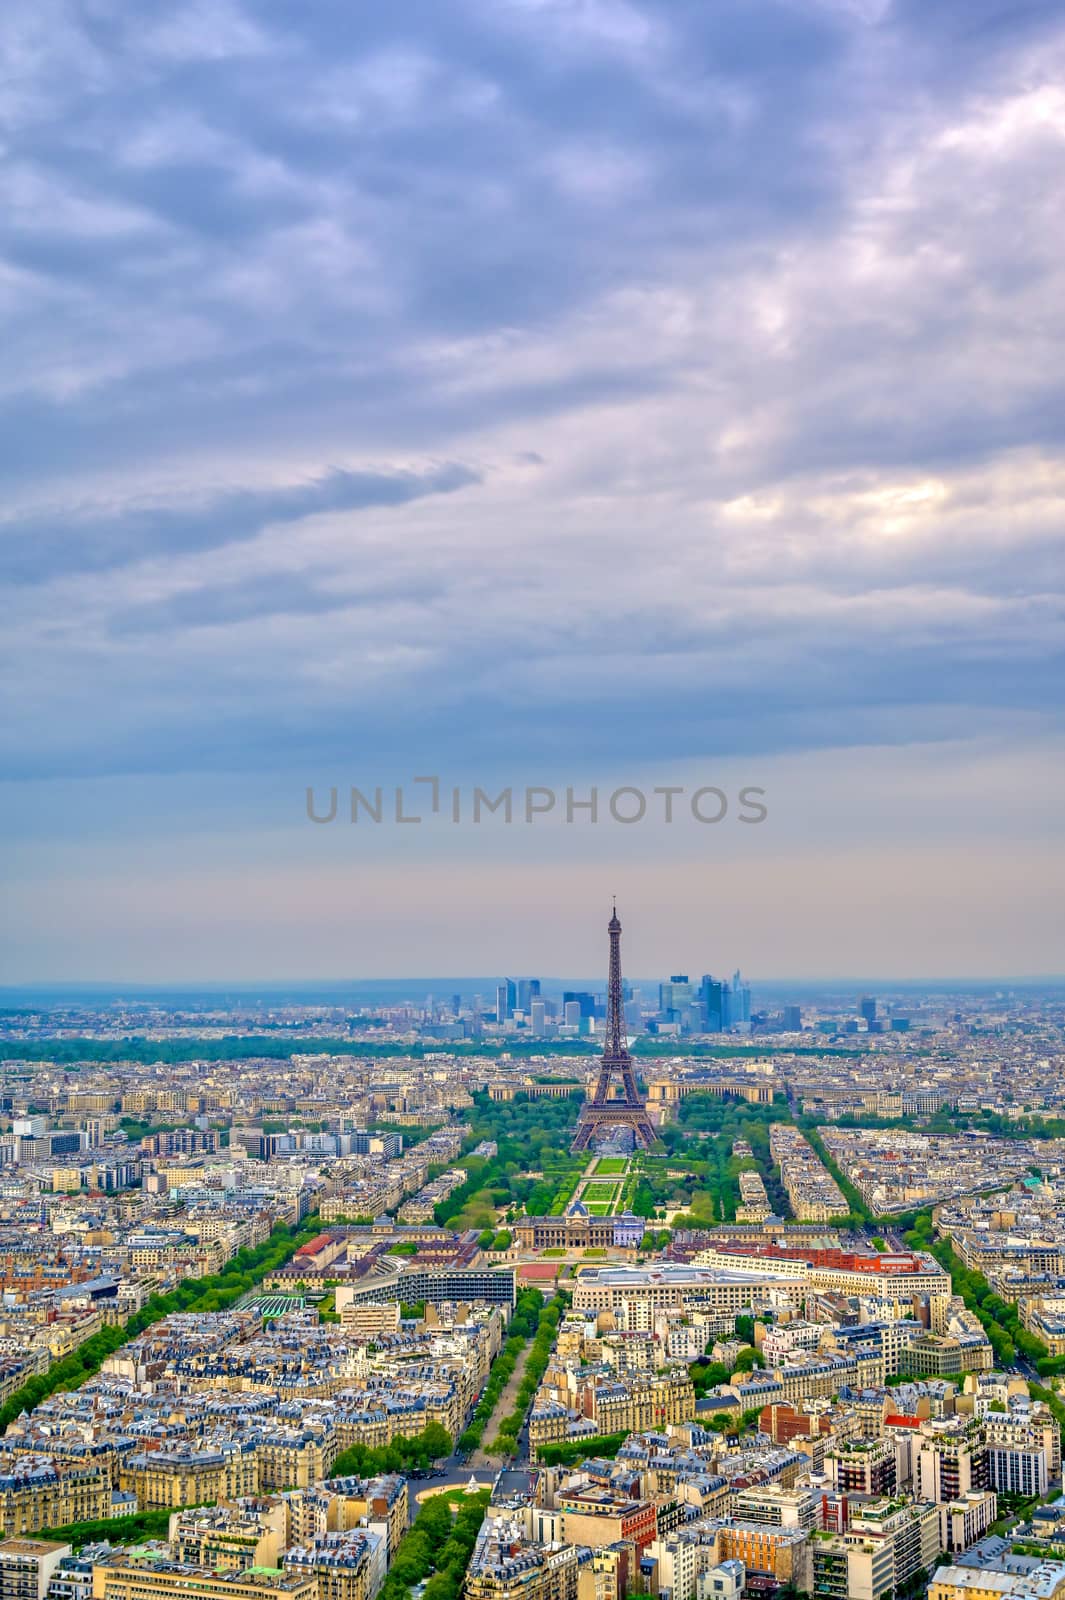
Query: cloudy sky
[{"x": 554, "y": 392}]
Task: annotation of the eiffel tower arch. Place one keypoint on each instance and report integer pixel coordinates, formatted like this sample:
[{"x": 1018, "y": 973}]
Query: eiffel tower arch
[{"x": 605, "y": 1110}]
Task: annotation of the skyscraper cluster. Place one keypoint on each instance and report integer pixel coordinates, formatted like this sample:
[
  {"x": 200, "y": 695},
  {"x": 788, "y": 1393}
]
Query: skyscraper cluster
[
  {"x": 713, "y": 1005},
  {"x": 516, "y": 996}
]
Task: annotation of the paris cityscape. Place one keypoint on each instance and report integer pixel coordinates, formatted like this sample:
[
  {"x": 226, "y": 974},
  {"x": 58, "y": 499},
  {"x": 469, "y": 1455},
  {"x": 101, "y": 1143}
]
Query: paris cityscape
[
  {"x": 587, "y": 1294},
  {"x": 532, "y": 866}
]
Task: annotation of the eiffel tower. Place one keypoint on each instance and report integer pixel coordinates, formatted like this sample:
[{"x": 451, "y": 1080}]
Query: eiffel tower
[{"x": 603, "y": 1110}]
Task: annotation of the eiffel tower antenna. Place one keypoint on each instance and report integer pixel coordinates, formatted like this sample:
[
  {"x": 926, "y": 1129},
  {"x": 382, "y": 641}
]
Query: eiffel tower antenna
[{"x": 603, "y": 1112}]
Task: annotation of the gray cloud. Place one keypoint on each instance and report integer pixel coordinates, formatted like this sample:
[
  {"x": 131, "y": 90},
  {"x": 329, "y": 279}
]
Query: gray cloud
[
  {"x": 94, "y": 540},
  {"x": 745, "y": 318},
  {"x": 264, "y": 598}
]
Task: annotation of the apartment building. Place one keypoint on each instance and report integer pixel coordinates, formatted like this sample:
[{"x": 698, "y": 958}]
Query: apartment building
[
  {"x": 507, "y": 1566},
  {"x": 892, "y": 1276},
  {"x": 188, "y": 1476},
  {"x": 1017, "y": 1469},
  {"x": 964, "y": 1521},
  {"x": 345, "y": 1566},
  {"x": 676, "y": 1565},
  {"x": 1032, "y": 1580},
  {"x": 27, "y": 1565},
  {"x": 812, "y": 1377},
  {"x": 778, "y": 1554},
  {"x": 724, "y": 1582},
  {"x": 231, "y": 1538},
  {"x": 862, "y": 1466},
  {"x": 932, "y": 1355},
  {"x": 910, "y": 1530},
  {"x": 948, "y": 1463},
  {"x": 37, "y": 1492},
  {"x": 123, "y": 1576},
  {"x": 598, "y": 1517},
  {"x": 1032, "y": 1427},
  {"x": 363, "y": 1320},
  {"x": 642, "y": 1401},
  {"x": 847, "y": 1567},
  {"x": 708, "y": 1287},
  {"x": 294, "y": 1458},
  {"x": 773, "y": 1506}
]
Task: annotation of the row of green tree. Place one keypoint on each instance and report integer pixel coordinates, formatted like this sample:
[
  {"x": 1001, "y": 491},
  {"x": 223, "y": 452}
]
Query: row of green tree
[
  {"x": 564, "y": 1452},
  {"x": 860, "y": 1212},
  {"x": 247, "y": 1268},
  {"x": 506, "y": 1440},
  {"x": 133, "y": 1529},
  {"x": 231, "y": 1047},
  {"x": 280, "y": 1045},
  {"x": 656, "y": 1239},
  {"x": 502, "y": 1368},
  {"x": 524, "y": 1324},
  {"x": 437, "y": 1547},
  {"x": 998, "y": 1318},
  {"x": 399, "y": 1455}
]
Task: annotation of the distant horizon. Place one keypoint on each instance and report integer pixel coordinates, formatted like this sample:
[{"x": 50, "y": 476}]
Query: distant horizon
[{"x": 418, "y": 987}]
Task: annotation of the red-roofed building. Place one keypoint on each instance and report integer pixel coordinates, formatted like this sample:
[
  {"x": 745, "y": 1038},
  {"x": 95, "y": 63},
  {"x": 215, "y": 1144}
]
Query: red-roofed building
[
  {"x": 315, "y": 1245},
  {"x": 877, "y": 1261},
  {"x": 320, "y": 1251}
]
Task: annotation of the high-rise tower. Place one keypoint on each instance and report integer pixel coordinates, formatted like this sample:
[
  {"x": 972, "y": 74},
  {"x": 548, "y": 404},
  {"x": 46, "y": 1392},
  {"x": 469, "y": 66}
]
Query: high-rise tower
[{"x": 605, "y": 1111}]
